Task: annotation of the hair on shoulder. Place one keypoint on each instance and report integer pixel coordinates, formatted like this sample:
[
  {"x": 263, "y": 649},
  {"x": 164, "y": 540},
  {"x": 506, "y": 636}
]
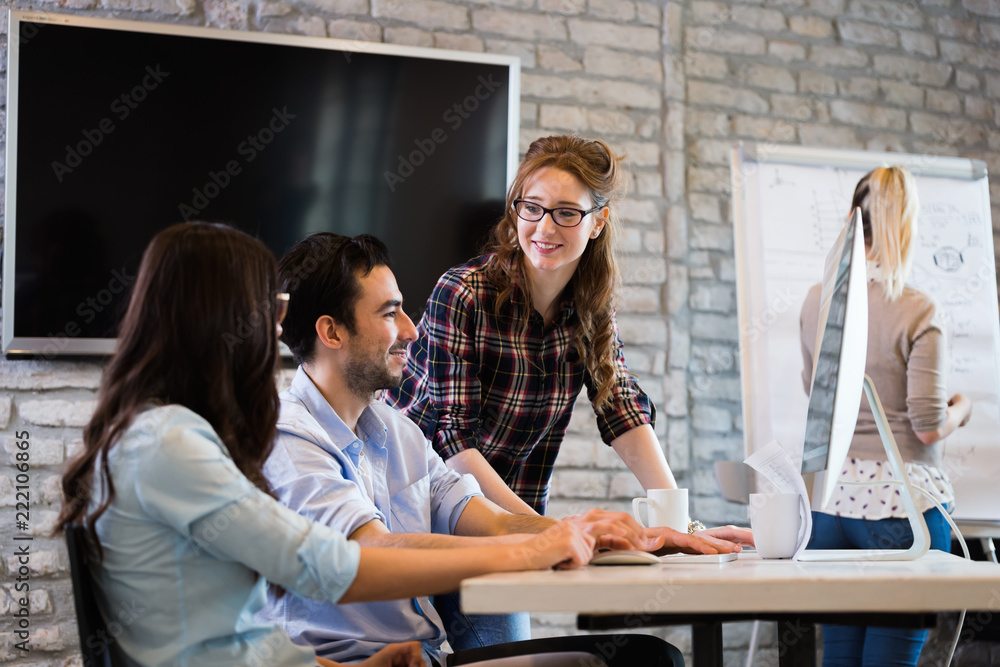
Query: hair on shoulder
[
  {"x": 199, "y": 331},
  {"x": 596, "y": 279}
]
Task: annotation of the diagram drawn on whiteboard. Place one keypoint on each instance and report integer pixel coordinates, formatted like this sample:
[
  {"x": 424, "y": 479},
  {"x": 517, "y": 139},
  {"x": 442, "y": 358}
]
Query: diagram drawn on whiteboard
[{"x": 948, "y": 259}]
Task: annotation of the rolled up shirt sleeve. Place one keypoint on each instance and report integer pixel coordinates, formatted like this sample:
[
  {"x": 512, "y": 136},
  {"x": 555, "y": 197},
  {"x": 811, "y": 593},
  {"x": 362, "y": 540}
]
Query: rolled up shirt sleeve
[
  {"x": 453, "y": 367},
  {"x": 450, "y": 493},
  {"x": 630, "y": 406},
  {"x": 193, "y": 486}
]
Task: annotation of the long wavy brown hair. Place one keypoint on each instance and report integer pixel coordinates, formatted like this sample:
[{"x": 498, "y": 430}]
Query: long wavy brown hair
[
  {"x": 200, "y": 331},
  {"x": 596, "y": 166}
]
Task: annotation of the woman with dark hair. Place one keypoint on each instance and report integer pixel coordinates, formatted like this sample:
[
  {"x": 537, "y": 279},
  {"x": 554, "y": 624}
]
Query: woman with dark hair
[
  {"x": 170, "y": 488},
  {"x": 510, "y": 338},
  {"x": 907, "y": 363}
]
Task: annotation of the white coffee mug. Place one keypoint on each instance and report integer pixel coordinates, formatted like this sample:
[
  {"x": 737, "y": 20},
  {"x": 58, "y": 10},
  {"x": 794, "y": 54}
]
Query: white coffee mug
[
  {"x": 775, "y": 520},
  {"x": 664, "y": 507}
]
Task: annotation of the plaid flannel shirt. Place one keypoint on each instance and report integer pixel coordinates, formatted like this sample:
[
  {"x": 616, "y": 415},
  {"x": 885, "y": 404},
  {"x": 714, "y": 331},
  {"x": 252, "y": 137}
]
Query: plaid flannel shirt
[{"x": 476, "y": 379}]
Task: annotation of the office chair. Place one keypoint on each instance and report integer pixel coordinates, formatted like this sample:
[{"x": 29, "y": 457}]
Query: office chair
[{"x": 96, "y": 645}]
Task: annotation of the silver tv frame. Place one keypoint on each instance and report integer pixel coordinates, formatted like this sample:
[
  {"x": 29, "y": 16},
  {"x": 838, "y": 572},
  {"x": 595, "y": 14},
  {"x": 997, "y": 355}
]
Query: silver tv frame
[{"x": 65, "y": 346}]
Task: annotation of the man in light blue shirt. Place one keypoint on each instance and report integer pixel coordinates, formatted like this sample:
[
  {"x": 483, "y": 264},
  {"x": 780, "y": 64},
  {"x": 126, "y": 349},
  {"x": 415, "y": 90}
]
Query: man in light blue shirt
[
  {"x": 353, "y": 463},
  {"x": 360, "y": 466},
  {"x": 384, "y": 478}
]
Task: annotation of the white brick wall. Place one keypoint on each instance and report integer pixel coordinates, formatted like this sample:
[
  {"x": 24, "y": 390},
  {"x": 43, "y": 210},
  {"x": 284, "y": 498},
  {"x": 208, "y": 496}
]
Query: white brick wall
[{"x": 672, "y": 83}]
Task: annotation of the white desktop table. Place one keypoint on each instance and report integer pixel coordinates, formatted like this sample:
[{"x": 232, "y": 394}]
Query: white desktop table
[{"x": 705, "y": 596}]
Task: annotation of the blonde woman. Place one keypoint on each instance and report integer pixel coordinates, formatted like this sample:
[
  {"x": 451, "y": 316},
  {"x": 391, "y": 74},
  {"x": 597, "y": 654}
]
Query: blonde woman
[{"x": 906, "y": 361}]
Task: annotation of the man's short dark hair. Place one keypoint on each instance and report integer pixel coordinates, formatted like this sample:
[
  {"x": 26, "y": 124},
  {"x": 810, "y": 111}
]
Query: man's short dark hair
[{"x": 321, "y": 273}]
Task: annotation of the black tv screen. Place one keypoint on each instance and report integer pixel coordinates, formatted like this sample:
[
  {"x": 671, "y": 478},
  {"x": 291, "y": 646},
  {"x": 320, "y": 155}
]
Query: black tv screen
[{"x": 119, "y": 129}]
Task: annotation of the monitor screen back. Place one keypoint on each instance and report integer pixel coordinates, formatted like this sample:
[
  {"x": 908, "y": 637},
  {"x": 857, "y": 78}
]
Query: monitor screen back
[{"x": 839, "y": 357}]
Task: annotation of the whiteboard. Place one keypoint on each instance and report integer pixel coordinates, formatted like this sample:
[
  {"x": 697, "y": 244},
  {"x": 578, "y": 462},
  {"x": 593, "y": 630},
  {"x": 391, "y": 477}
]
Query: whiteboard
[{"x": 789, "y": 204}]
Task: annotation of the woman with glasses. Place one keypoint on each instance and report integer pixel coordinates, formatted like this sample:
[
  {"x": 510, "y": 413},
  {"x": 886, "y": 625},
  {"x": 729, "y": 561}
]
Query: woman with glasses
[
  {"x": 181, "y": 520},
  {"x": 510, "y": 338}
]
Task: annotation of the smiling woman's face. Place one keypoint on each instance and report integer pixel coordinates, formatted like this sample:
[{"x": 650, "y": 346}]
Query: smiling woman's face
[{"x": 553, "y": 252}]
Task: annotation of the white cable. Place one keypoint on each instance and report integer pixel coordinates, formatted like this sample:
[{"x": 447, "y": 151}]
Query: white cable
[
  {"x": 965, "y": 550},
  {"x": 958, "y": 535}
]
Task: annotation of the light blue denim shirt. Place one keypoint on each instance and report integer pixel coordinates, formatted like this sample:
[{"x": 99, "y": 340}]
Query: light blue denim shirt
[
  {"x": 183, "y": 540},
  {"x": 314, "y": 470}
]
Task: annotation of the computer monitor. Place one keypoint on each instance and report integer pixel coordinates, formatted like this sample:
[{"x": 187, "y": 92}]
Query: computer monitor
[
  {"x": 839, "y": 355},
  {"x": 837, "y": 382}
]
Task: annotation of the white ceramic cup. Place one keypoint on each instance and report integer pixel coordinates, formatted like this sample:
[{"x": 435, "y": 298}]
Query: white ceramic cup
[
  {"x": 664, "y": 507},
  {"x": 775, "y": 520}
]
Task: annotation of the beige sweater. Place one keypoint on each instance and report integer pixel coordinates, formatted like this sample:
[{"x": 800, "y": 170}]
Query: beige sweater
[{"x": 907, "y": 364}]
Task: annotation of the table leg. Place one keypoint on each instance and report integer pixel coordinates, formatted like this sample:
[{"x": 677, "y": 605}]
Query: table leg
[
  {"x": 796, "y": 644},
  {"x": 989, "y": 549},
  {"x": 706, "y": 644}
]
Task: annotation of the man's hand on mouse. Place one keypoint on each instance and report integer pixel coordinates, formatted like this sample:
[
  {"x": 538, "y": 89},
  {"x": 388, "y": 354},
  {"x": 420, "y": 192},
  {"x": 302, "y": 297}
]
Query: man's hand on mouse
[{"x": 616, "y": 530}]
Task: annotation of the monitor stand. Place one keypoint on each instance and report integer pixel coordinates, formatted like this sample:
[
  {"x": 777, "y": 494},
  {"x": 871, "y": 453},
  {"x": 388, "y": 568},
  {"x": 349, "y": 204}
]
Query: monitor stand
[{"x": 921, "y": 536}]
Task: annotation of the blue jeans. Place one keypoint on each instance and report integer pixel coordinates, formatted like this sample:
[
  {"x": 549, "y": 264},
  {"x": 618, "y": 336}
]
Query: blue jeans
[
  {"x": 478, "y": 630},
  {"x": 869, "y": 646}
]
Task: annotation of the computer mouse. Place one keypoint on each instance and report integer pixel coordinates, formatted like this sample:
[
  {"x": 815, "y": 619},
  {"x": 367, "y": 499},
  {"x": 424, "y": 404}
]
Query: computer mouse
[{"x": 624, "y": 558}]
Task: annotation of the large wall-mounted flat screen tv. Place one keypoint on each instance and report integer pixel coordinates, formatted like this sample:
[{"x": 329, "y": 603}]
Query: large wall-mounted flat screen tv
[{"x": 117, "y": 129}]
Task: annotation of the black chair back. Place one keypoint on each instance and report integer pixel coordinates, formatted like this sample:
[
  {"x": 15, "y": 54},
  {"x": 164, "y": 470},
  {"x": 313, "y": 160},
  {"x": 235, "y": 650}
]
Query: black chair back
[{"x": 96, "y": 644}]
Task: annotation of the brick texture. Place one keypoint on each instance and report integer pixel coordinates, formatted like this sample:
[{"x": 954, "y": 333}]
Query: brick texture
[{"x": 672, "y": 83}]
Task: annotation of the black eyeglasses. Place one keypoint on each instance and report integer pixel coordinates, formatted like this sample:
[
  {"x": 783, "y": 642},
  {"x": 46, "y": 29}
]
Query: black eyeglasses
[{"x": 563, "y": 216}]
